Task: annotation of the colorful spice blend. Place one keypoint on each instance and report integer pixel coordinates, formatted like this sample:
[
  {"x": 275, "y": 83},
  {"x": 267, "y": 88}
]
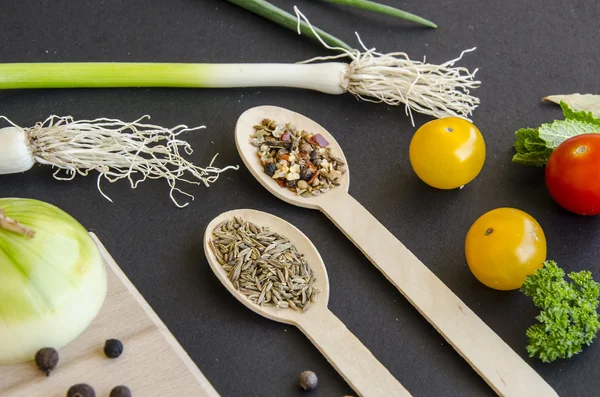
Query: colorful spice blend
[{"x": 298, "y": 160}]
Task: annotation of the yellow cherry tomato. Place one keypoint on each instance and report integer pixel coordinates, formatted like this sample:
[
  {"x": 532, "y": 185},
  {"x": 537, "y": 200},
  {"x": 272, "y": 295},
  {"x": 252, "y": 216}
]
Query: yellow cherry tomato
[
  {"x": 447, "y": 153},
  {"x": 503, "y": 246}
]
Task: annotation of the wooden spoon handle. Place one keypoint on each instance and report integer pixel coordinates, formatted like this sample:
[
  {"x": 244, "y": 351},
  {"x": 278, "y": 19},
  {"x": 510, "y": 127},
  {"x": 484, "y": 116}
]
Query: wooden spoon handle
[
  {"x": 363, "y": 372},
  {"x": 503, "y": 369}
]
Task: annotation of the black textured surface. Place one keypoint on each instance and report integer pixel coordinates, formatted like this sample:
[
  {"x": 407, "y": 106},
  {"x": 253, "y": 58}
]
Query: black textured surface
[{"x": 525, "y": 50}]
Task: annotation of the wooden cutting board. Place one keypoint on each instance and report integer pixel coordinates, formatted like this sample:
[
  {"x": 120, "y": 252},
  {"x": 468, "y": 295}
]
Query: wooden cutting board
[{"x": 153, "y": 363}]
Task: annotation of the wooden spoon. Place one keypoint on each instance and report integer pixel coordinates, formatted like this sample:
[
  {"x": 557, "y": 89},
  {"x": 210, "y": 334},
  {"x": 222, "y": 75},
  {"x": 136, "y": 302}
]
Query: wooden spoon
[
  {"x": 363, "y": 372},
  {"x": 503, "y": 369}
]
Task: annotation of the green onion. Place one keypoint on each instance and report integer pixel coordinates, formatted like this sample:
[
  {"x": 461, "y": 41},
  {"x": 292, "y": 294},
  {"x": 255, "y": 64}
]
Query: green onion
[
  {"x": 52, "y": 279},
  {"x": 384, "y": 9},
  {"x": 285, "y": 19},
  {"x": 392, "y": 78},
  {"x": 436, "y": 90}
]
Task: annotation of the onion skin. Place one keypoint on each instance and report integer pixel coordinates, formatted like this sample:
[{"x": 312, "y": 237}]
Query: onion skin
[{"x": 52, "y": 286}]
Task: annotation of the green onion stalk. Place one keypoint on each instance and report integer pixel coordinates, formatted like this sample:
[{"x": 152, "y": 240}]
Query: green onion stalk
[
  {"x": 380, "y": 8},
  {"x": 280, "y": 17}
]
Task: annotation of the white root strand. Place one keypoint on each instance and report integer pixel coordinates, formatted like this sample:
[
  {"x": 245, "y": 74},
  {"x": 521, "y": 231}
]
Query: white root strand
[
  {"x": 118, "y": 150},
  {"x": 393, "y": 78}
]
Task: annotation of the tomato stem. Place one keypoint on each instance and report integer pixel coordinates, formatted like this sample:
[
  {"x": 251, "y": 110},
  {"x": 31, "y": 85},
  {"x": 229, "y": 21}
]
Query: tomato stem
[{"x": 489, "y": 231}]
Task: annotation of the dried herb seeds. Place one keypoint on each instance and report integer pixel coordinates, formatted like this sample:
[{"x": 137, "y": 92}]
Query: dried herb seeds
[{"x": 264, "y": 265}]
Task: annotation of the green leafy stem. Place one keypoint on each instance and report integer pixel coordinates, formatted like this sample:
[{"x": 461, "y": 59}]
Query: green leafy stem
[
  {"x": 384, "y": 9},
  {"x": 283, "y": 18}
]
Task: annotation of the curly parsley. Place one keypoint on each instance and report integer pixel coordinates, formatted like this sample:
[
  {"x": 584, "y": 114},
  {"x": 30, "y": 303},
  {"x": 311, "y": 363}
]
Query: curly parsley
[{"x": 568, "y": 319}]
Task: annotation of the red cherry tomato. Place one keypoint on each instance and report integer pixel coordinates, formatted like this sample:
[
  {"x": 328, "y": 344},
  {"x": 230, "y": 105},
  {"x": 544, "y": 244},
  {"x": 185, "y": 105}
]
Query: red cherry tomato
[{"x": 573, "y": 174}]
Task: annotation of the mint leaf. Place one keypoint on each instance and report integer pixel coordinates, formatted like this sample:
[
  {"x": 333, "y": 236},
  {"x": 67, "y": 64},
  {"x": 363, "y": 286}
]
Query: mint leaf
[
  {"x": 535, "y": 159},
  {"x": 534, "y": 146},
  {"x": 531, "y": 149},
  {"x": 577, "y": 102},
  {"x": 526, "y": 138},
  {"x": 584, "y": 116},
  {"x": 560, "y": 130}
]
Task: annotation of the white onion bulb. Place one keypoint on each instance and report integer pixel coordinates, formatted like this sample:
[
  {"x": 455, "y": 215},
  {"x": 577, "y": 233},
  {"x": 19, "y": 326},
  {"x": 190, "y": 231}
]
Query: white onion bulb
[{"x": 52, "y": 279}]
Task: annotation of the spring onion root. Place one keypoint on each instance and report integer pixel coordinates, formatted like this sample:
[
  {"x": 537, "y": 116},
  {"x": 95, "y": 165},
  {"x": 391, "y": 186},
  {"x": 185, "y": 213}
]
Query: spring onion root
[
  {"x": 115, "y": 149},
  {"x": 393, "y": 78}
]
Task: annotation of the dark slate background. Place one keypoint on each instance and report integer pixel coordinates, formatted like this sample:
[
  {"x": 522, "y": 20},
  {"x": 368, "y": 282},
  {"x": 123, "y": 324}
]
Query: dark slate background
[{"x": 525, "y": 50}]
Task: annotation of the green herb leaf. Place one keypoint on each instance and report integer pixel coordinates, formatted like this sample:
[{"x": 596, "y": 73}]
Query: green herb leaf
[
  {"x": 568, "y": 319},
  {"x": 528, "y": 140},
  {"x": 559, "y": 131},
  {"x": 535, "y": 159},
  {"x": 534, "y": 146},
  {"x": 584, "y": 116},
  {"x": 578, "y": 102},
  {"x": 531, "y": 149}
]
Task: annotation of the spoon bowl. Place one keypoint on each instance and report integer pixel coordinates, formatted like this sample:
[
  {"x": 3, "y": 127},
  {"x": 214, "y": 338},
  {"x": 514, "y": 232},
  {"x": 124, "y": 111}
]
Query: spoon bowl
[
  {"x": 243, "y": 135},
  {"x": 363, "y": 372},
  {"x": 302, "y": 243}
]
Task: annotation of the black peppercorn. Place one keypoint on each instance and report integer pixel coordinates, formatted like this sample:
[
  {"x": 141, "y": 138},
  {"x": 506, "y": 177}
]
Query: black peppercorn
[
  {"x": 308, "y": 380},
  {"x": 270, "y": 169},
  {"x": 291, "y": 184},
  {"x": 120, "y": 391},
  {"x": 113, "y": 348},
  {"x": 46, "y": 359},
  {"x": 306, "y": 174},
  {"x": 81, "y": 390}
]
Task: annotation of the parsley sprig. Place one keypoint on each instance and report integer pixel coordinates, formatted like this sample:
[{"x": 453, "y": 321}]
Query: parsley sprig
[{"x": 568, "y": 319}]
